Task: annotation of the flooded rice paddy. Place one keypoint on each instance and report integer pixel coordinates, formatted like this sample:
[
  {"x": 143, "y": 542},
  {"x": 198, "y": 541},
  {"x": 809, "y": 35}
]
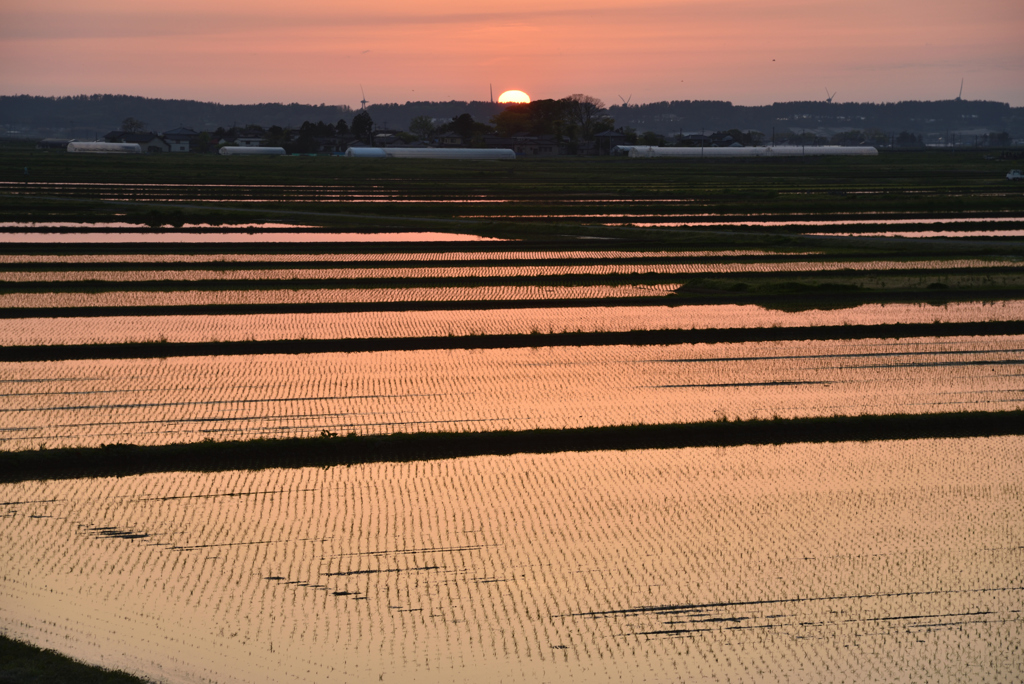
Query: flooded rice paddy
[
  {"x": 918, "y": 221},
  {"x": 893, "y": 561},
  {"x": 384, "y": 256},
  {"x": 518, "y": 321},
  {"x": 142, "y": 226},
  {"x": 315, "y": 296},
  {"x": 189, "y": 399},
  {"x": 498, "y": 271},
  {"x": 934, "y": 233},
  {"x": 114, "y": 238}
]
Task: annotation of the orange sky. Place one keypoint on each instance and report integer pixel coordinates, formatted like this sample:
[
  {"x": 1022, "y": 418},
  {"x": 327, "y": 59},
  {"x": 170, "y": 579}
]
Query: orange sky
[{"x": 314, "y": 51}]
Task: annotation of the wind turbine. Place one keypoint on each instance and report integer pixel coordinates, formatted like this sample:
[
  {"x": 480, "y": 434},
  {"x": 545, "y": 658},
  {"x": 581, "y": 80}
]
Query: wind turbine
[
  {"x": 625, "y": 101},
  {"x": 363, "y": 101},
  {"x": 961, "y": 90},
  {"x": 830, "y": 96}
]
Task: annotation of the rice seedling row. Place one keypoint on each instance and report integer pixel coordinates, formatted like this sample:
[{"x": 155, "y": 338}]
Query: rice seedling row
[
  {"x": 188, "y": 399},
  {"x": 164, "y": 349},
  {"x": 508, "y": 293},
  {"x": 383, "y": 257},
  {"x": 326, "y": 263},
  {"x": 494, "y": 272},
  {"x": 886, "y": 561},
  {"x": 457, "y": 323},
  {"x": 796, "y": 563}
]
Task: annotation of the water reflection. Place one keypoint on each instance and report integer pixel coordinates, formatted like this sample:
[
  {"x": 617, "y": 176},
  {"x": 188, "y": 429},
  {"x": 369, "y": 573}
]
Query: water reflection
[
  {"x": 933, "y": 234},
  {"x": 322, "y": 296},
  {"x": 79, "y": 238},
  {"x": 140, "y": 226},
  {"x": 499, "y": 271},
  {"x": 518, "y": 321},
  {"x": 796, "y": 563},
  {"x": 921, "y": 221},
  {"x": 386, "y": 256},
  {"x": 189, "y": 399}
]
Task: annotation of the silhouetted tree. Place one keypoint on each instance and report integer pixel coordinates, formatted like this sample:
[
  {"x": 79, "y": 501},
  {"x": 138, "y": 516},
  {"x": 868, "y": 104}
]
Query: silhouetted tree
[
  {"x": 515, "y": 119},
  {"x": 277, "y": 136},
  {"x": 584, "y": 112},
  {"x": 908, "y": 139},
  {"x": 362, "y": 126},
  {"x": 133, "y": 125},
  {"x": 463, "y": 126},
  {"x": 422, "y": 126},
  {"x": 651, "y": 138},
  {"x": 306, "y": 142},
  {"x": 203, "y": 142}
]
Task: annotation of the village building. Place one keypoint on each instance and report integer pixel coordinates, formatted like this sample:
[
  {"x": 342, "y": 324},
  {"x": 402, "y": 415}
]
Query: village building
[
  {"x": 149, "y": 142},
  {"x": 608, "y": 140},
  {"x": 180, "y": 139},
  {"x": 535, "y": 145}
]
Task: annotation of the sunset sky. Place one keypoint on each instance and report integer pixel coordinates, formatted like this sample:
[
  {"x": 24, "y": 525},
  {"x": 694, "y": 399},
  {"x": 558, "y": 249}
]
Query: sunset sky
[{"x": 320, "y": 51}]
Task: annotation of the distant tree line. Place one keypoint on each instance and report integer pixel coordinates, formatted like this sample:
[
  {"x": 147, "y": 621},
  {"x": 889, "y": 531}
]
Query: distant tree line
[
  {"x": 571, "y": 123},
  {"x": 79, "y": 114}
]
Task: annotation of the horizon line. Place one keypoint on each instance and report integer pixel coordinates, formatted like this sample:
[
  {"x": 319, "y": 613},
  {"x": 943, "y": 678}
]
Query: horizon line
[{"x": 407, "y": 102}]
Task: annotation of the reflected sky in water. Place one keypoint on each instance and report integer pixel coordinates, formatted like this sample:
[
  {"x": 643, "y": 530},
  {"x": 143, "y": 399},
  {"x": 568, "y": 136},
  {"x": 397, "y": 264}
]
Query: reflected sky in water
[
  {"x": 84, "y": 238},
  {"x": 513, "y": 321},
  {"x": 795, "y": 563},
  {"x": 189, "y": 399}
]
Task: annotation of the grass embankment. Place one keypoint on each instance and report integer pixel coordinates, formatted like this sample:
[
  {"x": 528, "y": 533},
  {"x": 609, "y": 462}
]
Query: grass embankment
[
  {"x": 158, "y": 350},
  {"x": 783, "y": 302},
  {"x": 22, "y": 663},
  {"x": 837, "y": 279},
  {"x": 330, "y": 450}
]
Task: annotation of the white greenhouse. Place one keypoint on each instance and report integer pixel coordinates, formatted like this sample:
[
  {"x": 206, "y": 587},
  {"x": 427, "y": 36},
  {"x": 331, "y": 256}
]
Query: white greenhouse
[
  {"x": 105, "y": 147},
  {"x": 229, "y": 151},
  {"x": 366, "y": 152},
  {"x": 449, "y": 153},
  {"x": 431, "y": 153},
  {"x": 647, "y": 152}
]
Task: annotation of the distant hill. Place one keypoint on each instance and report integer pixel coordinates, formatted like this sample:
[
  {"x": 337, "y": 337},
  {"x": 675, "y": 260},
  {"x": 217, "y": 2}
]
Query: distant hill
[
  {"x": 86, "y": 116},
  {"x": 914, "y": 116}
]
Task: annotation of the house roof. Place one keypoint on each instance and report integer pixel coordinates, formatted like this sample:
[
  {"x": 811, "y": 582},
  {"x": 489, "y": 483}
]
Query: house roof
[
  {"x": 138, "y": 137},
  {"x": 180, "y": 134}
]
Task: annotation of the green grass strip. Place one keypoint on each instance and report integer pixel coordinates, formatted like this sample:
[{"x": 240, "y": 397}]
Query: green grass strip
[
  {"x": 22, "y": 663},
  {"x": 564, "y": 280},
  {"x": 329, "y": 450},
  {"x": 150, "y": 350}
]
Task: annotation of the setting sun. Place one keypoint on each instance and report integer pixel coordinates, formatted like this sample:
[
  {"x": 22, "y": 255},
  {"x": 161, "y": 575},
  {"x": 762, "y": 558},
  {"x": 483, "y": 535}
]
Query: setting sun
[{"x": 514, "y": 97}]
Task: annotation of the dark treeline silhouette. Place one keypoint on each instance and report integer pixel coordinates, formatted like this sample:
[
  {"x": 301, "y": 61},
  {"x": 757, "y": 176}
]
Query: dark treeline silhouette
[
  {"x": 920, "y": 117},
  {"x": 85, "y": 114},
  {"x": 102, "y": 113}
]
